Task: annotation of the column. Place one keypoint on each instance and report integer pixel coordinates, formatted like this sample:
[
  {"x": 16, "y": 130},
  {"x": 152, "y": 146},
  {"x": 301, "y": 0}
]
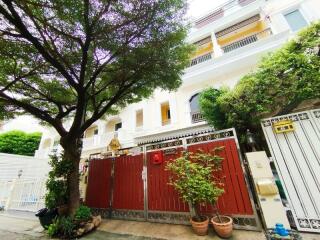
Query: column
[{"x": 216, "y": 47}]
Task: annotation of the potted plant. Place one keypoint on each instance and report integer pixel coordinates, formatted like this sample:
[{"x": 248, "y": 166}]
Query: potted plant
[{"x": 193, "y": 178}]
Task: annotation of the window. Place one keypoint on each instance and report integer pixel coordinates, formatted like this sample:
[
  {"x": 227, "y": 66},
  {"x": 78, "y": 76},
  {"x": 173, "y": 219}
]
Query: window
[
  {"x": 295, "y": 20},
  {"x": 95, "y": 131},
  {"x": 196, "y": 116},
  {"x": 165, "y": 113},
  {"x": 117, "y": 126},
  {"x": 139, "y": 118}
]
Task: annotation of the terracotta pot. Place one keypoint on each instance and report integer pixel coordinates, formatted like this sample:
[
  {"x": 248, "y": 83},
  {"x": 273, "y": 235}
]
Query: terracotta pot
[
  {"x": 200, "y": 228},
  {"x": 223, "y": 228}
]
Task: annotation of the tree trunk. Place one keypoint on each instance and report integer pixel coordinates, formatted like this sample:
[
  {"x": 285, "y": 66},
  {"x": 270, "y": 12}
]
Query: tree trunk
[
  {"x": 193, "y": 210},
  {"x": 72, "y": 153}
]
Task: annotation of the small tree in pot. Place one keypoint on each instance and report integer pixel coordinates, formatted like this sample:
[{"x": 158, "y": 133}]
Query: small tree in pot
[{"x": 193, "y": 178}]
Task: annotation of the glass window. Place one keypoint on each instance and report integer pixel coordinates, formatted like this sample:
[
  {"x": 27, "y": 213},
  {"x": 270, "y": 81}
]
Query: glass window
[
  {"x": 194, "y": 103},
  {"x": 196, "y": 116},
  {"x": 165, "y": 113},
  {"x": 295, "y": 20}
]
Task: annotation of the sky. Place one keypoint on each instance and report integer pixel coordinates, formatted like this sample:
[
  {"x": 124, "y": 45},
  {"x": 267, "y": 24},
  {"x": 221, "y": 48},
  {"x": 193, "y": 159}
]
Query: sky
[{"x": 29, "y": 124}]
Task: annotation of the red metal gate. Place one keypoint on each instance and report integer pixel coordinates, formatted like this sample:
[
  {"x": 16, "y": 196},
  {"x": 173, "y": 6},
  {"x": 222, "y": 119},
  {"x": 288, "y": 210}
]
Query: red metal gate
[
  {"x": 161, "y": 196},
  {"x": 99, "y": 184},
  {"x": 128, "y": 184},
  {"x": 235, "y": 200},
  {"x": 138, "y": 188}
]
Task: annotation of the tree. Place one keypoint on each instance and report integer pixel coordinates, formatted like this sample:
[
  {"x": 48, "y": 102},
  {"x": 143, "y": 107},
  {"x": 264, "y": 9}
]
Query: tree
[
  {"x": 282, "y": 81},
  {"x": 80, "y": 60},
  {"x": 18, "y": 142}
]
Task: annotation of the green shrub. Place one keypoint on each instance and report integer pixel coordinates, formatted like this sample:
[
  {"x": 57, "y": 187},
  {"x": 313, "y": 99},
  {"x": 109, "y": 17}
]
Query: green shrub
[
  {"x": 57, "y": 189},
  {"x": 66, "y": 226},
  {"x": 18, "y": 142},
  {"x": 83, "y": 213},
  {"x": 61, "y": 227},
  {"x": 53, "y": 229}
]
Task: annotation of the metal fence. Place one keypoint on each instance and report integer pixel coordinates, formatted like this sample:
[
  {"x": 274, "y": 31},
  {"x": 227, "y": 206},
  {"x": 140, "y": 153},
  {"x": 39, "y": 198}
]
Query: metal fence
[
  {"x": 201, "y": 59},
  {"x": 23, "y": 194},
  {"x": 247, "y": 40}
]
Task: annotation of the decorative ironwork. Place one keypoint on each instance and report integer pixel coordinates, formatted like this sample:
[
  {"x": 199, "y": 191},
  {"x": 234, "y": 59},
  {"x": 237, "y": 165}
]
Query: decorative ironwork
[
  {"x": 304, "y": 223},
  {"x": 293, "y": 118},
  {"x": 317, "y": 113},
  {"x": 219, "y": 12},
  {"x": 245, "y": 222},
  {"x": 128, "y": 214},
  {"x": 210, "y": 137},
  {"x": 164, "y": 145},
  {"x": 303, "y": 116},
  {"x": 197, "y": 117},
  {"x": 104, "y": 212},
  {"x": 238, "y": 26},
  {"x": 201, "y": 59},
  {"x": 247, "y": 40},
  {"x": 169, "y": 217}
]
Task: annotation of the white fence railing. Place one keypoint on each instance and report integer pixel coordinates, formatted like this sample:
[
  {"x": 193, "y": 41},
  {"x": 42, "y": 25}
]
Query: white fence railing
[{"x": 23, "y": 194}]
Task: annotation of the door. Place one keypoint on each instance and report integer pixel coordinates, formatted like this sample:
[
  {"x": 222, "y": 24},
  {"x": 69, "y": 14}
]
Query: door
[
  {"x": 296, "y": 153},
  {"x": 98, "y": 192},
  {"x": 128, "y": 190}
]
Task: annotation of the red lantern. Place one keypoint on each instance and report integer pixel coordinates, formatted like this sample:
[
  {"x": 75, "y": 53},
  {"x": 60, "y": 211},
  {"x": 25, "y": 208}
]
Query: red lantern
[{"x": 157, "y": 158}]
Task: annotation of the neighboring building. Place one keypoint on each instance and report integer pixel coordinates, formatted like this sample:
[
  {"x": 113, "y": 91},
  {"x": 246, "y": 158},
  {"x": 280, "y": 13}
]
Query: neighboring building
[{"x": 230, "y": 41}]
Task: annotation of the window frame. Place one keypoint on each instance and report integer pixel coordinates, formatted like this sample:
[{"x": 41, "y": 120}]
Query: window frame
[{"x": 291, "y": 10}]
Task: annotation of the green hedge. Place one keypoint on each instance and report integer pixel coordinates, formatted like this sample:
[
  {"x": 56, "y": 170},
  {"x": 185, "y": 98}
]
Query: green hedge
[{"x": 18, "y": 142}]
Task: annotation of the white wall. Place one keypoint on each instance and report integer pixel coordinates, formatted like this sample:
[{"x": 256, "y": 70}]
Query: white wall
[{"x": 31, "y": 167}]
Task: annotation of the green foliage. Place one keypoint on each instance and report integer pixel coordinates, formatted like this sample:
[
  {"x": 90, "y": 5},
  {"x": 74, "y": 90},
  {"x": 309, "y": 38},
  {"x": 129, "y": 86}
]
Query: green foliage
[
  {"x": 282, "y": 81},
  {"x": 192, "y": 176},
  {"x": 57, "y": 190},
  {"x": 83, "y": 213},
  {"x": 79, "y": 61},
  {"x": 62, "y": 227},
  {"x": 53, "y": 229},
  {"x": 18, "y": 142},
  {"x": 109, "y": 54},
  {"x": 66, "y": 226}
]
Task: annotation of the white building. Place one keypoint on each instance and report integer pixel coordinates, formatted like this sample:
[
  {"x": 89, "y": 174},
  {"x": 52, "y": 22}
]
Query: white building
[{"x": 230, "y": 41}]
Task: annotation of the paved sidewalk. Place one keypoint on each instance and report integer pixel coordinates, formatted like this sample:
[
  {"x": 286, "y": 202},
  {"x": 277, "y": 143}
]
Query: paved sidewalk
[{"x": 25, "y": 226}]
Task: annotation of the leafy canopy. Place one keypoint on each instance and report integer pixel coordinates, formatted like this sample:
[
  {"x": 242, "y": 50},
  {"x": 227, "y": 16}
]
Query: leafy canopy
[
  {"x": 83, "y": 59},
  {"x": 282, "y": 81},
  {"x": 18, "y": 142}
]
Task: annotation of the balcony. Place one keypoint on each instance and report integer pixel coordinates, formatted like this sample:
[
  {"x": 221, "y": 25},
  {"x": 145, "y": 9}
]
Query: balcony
[
  {"x": 197, "y": 117},
  {"x": 221, "y": 11},
  {"x": 247, "y": 40},
  {"x": 201, "y": 59}
]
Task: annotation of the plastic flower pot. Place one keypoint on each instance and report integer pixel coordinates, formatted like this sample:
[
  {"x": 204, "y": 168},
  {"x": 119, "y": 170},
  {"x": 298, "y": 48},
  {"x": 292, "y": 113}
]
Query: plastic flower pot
[{"x": 46, "y": 216}]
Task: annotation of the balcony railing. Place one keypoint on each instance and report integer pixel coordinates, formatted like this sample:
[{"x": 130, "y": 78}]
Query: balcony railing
[
  {"x": 247, "y": 40},
  {"x": 197, "y": 117},
  {"x": 201, "y": 59},
  {"x": 221, "y": 11}
]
